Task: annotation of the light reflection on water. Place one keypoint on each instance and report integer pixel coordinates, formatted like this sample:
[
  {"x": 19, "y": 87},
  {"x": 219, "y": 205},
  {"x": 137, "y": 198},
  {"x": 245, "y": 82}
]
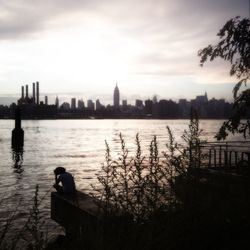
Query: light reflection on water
[{"x": 77, "y": 145}]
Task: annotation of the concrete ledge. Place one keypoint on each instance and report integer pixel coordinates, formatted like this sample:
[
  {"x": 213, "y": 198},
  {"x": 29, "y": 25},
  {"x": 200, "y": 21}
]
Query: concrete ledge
[{"x": 74, "y": 211}]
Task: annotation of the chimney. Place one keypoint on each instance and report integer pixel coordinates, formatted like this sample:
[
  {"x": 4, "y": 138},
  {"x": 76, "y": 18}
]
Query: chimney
[
  {"x": 27, "y": 91},
  {"x": 46, "y": 100},
  {"x": 22, "y": 92},
  {"x": 34, "y": 92},
  {"x": 37, "y": 93}
]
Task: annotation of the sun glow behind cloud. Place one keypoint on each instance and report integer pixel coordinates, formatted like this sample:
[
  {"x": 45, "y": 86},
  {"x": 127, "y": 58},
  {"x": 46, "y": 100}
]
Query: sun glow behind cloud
[{"x": 85, "y": 47}]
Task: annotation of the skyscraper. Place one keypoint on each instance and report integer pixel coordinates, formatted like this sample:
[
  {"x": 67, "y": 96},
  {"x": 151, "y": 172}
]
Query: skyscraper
[
  {"x": 73, "y": 103},
  {"x": 116, "y": 97},
  {"x": 80, "y": 104}
]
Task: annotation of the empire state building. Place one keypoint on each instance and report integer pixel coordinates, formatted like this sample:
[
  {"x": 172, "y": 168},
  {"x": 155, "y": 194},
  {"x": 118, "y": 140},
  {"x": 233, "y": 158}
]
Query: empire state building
[{"x": 116, "y": 97}]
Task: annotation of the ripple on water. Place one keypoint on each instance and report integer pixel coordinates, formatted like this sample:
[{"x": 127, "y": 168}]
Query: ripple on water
[{"x": 79, "y": 146}]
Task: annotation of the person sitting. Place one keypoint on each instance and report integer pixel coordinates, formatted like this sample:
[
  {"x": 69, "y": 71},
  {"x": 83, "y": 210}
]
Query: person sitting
[{"x": 66, "y": 179}]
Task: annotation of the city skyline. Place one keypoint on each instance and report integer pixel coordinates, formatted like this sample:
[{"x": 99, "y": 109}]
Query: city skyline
[
  {"x": 115, "y": 99},
  {"x": 33, "y": 106},
  {"x": 147, "y": 47}
]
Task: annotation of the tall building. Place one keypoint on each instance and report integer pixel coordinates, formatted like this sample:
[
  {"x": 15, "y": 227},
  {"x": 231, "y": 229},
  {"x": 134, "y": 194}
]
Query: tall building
[
  {"x": 57, "y": 102},
  {"x": 116, "y": 97},
  {"x": 46, "y": 100},
  {"x": 73, "y": 103},
  {"x": 98, "y": 104},
  {"x": 91, "y": 105},
  {"x": 80, "y": 104}
]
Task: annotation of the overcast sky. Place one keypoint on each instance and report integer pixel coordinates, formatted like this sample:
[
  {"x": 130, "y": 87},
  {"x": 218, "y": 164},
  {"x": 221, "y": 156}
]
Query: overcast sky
[{"x": 84, "y": 47}]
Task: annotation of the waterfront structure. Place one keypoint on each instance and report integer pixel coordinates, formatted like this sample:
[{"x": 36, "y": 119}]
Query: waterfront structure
[{"x": 116, "y": 97}]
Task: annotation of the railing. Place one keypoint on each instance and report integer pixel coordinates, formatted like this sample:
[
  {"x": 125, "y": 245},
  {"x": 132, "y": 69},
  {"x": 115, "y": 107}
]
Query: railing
[{"x": 218, "y": 155}]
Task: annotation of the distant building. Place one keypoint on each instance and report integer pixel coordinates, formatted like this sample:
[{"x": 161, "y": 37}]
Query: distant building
[
  {"x": 73, "y": 103},
  {"x": 98, "y": 105},
  {"x": 201, "y": 98},
  {"x": 116, "y": 97},
  {"x": 46, "y": 100},
  {"x": 155, "y": 99},
  {"x": 26, "y": 100},
  {"x": 65, "y": 106},
  {"x": 57, "y": 102},
  {"x": 80, "y": 104},
  {"x": 90, "y": 105},
  {"x": 149, "y": 107},
  {"x": 184, "y": 108},
  {"x": 139, "y": 103},
  {"x": 124, "y": 103}
]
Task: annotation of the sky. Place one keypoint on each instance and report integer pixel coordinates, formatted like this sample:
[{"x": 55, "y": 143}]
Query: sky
[{"x": 82, "y": 48}]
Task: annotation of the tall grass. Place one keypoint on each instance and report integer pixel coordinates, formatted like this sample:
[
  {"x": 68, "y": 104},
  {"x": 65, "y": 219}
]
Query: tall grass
[
  {"x": 31, "y": 235},
  {"x": 140, "y": 186}
]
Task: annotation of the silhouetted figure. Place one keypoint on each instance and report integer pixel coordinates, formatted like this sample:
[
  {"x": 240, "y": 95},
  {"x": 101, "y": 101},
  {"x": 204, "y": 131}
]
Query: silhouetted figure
[
  {"x": 66, "y": 179},
  {"x": 17, "y": 132}
]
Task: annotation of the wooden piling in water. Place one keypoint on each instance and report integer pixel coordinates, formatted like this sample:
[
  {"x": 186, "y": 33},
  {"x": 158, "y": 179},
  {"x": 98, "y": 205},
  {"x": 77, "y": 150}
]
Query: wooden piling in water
[{"x": 17, "y": 139}]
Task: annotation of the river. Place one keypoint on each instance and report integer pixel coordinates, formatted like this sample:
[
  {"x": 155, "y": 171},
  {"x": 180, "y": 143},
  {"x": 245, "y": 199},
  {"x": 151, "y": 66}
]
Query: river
[{"x": 77, "y": 145}]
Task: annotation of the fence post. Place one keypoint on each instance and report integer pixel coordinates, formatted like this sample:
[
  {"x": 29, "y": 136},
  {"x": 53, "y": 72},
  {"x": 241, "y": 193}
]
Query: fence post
[{"x": 210, "y": 155}]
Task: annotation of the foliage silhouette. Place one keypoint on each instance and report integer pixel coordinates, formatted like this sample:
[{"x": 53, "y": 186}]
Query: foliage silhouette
[
  {"x": 234, "y": 47},
  {"x": 139, "y": 186}
]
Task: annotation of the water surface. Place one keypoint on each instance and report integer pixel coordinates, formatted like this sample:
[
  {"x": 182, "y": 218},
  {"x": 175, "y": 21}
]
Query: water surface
[{"x": 77, "y": 145}]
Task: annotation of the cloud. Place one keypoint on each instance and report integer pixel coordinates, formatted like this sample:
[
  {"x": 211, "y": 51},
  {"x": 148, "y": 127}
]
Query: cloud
[
  {"x": 19, "y": 18},
  {"x": 64, "y": 43}
]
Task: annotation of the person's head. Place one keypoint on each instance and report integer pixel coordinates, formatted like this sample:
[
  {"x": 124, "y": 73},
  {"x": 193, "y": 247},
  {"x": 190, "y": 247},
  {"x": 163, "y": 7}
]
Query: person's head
[{"x": 59, "y": 170}]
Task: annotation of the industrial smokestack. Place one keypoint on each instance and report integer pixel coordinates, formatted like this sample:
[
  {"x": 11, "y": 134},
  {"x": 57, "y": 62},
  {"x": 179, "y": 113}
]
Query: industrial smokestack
[
  {"x": 37, "y": 93},
  {"x": 27, "y": 90},
  {"x": 22, "y": 92},
  {"x": 34, "y": 92},
  {"x": 46, "y": 100}
]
